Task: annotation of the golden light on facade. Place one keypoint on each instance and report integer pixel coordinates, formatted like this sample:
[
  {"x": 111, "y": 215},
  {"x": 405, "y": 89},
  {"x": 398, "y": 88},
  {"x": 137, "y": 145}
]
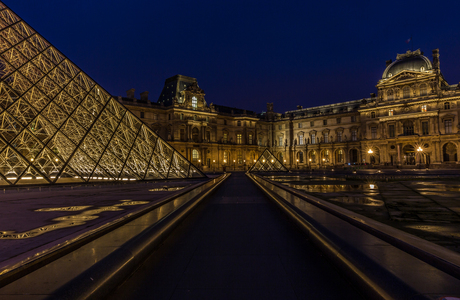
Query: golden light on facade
[{"x": 370, "y": 151}]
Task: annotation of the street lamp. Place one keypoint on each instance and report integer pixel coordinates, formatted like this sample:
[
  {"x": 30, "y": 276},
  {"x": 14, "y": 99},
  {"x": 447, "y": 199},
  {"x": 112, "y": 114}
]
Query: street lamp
[
  {"x": 297, "y": 163},
  {"x": 420, "y": 150},
  {"x": 370, "y": 151}
]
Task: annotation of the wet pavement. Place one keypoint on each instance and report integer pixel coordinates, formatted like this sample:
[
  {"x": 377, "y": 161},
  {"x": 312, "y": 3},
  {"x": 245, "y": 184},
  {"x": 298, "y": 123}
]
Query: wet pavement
[
  {"x": 426, "y": 205},
  {"x": 36, "y": 219}
]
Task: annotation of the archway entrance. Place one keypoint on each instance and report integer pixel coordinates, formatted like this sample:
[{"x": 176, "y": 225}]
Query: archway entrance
[
  {"x": 354, "y": 156},
  {"x": 409, "y": 155},
  {"x": 449, "y": 152}
]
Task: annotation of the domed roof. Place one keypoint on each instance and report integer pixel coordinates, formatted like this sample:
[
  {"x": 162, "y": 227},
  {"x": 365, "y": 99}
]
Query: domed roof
[{"x": 410, "y": 61}]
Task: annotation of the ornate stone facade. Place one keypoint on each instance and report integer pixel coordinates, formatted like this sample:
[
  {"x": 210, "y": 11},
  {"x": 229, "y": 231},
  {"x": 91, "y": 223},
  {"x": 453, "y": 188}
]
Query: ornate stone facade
[{"x": 411, "y": 121}]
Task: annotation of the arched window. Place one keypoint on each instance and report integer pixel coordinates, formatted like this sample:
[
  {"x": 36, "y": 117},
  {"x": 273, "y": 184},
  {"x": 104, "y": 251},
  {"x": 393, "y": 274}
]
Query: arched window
[
  {"x": 423, "y": 90},
  {"x": 312, "y": 158},
  {"x": 195, "y": 155},
  {"x": 339, "y": 157},
  {"x": 406, "y": 92}
]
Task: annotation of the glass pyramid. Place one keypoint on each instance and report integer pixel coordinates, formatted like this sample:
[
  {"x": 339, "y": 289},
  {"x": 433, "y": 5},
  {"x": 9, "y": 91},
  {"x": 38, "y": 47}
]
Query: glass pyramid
[
  {"x": 267, "y": 162},
  {"x": 57, "y": 125}
]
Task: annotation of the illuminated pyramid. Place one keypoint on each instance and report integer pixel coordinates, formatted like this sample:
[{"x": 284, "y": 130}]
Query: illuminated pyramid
[
  {"x": 57, "y": 125},
  {"x": 267, "y": 162}
]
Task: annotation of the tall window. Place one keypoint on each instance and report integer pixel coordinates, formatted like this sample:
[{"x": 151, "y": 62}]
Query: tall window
[
  {"x": 195, "y": 155},
  {"x": 239, "y": 156},
  {"x": 280, "y": 141},
  {"x": 181, "y": 116},
  {"x": 373, "y": 114},
  {"x": 339, "y": 120},
  {"x": 425, "y": 127},
  {"x": 142, "y": 115},
  {"x": 312, "y": 123},
  {"x": 406, "y": 92},
  {"x": 238, "y": 123},
  {"x": 354, "y": 135},
  {"x": 250, "y": 139},
  {"x": 340, "y": 156},
  {"x": 194, "y": 103},
  {"x": 300, "y": 157},
  {"x": 373, "y": 132},
  {"x": 313, "y": 138},
  {"x": 259, "y": 141},
  {"x": 195, "y": 134},
  {"x": 300, "y": 139},
  {"x": 225, "y": 156},
  {"x": 390, "y": 95},
  {"x": 447, "y": 105},
  {"x": 391, "y": 130},
  {"x": 339, "y": 136},
  {"x": 408, "y": 128},
  {"x": 313, "y": 157},
  {"x": 225, "y": 138},
  {"x": 390, "y": 112},
  {"x": 239, "y": 138},
  {"x": 424, "y": 108},
  {"x": 280, "y": 127},
  {"x": 182, "y": 134},
  {"x": 448, "y": 126},
  {"x": 325, "y": 122},
  {"x": 300, "y": 125},
  {"x": 326, "y": 137},
  {"x": 423, "y": 90}
]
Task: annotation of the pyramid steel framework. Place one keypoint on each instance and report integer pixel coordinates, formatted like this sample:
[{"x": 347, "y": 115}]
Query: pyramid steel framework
[
  {"x": 267, "y": 162},
  {"x": 57, "y": 125}
]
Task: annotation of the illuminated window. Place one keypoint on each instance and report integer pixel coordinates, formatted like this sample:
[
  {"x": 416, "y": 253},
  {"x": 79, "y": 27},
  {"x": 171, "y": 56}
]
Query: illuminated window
[
  {"x": 313, "y": 138},
  {"x": 300, "y": 139},
  {"x": 326, "y": 137},
  {"x": 225, "y": 156},
  {"x": 390, "y": 112},
  {"x": 194, "y": 103},
  {"x": 424, "y": 108},
  {"x": 340, "y": 156},
  {"x": 181, "y": 116},
  {"x": 239, "y": 156},
  {"x": 225, "y": 138},
  {"x": 239, "y": 138},
  {"x": 195, "y": 155},
  {"x": 250, "y": 139},
  {"x": 280, "y": 141}
]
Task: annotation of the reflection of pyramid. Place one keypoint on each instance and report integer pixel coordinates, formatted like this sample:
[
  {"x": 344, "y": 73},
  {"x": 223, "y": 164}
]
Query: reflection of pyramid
[
  {"x": 58, "y": 125},
  {"x": 267, "y": 162}
]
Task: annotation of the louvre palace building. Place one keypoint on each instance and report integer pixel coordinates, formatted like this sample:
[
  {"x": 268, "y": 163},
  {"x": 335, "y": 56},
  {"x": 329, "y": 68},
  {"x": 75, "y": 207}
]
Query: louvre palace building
[{"x": 412, "y": 121}]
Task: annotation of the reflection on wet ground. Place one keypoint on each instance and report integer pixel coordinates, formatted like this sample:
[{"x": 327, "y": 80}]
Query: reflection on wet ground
[
  {"x": 69, "y": 220},
  {"x": 167, "y": 188},
  {"x": 428, "y": 208}
]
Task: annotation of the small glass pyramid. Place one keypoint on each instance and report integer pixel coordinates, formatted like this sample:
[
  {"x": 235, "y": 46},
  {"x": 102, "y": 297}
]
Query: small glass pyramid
[
  {"x": 267, "y": 162},
  {"x": 57, "y": 125}
]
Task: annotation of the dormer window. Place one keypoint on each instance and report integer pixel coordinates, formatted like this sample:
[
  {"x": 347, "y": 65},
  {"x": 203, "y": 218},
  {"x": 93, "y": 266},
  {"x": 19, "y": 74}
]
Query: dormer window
[
  {"x": 194, "y": 103},
  {"x": 390, "y": 112},
  {"x": 422, "y": 68},
  {"x": 424, "y": 108}
]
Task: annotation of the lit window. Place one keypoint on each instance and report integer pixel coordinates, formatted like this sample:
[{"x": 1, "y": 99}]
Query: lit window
[
  {"x": 250, "y": 139},
  {"x": 239, "y": 138},
  {"x": 280, "y": 139},
  {"x": 313, "y": 138},
  {"x": 424, "y": 108},
  {"x": 194, "y": 103},
  {"x": 225, "y": 137},
  {"x": 195, "y": 155},
  {"x": 300, "y": 139},
  {"x": 240, "y": 156},
  {"x": 390, "y": 112},
  {"x": 181, "y": 116},
  {"x": 326, "y": 137},
  {"x": 225, "y": 156}
]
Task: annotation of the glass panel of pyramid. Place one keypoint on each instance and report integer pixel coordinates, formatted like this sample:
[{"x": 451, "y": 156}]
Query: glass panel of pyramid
[
  {"x": 267, "y": 162},
  {"x": 58, "y": 125}
]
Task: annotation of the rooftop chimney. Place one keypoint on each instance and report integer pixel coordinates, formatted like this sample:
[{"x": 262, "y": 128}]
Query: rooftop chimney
[
  {"x": 130, "y": 93},
  {"x": 145, "y": 96}
]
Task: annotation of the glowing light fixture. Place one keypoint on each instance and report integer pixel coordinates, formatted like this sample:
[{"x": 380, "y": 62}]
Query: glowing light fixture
[{"x": 370, "y": 151}]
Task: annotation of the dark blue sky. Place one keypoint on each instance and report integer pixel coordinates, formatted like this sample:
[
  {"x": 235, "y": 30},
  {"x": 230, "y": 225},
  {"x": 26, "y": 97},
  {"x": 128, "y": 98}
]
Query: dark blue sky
[{"x": 246, "y": 53}]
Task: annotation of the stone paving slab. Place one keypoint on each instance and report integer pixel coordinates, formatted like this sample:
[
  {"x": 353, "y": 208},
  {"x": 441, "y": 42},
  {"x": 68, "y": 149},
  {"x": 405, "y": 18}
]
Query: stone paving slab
[{"x": 42, "y": 218}]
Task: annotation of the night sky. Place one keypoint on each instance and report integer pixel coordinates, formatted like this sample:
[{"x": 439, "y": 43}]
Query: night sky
[{"x": 246, "y": 53}]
